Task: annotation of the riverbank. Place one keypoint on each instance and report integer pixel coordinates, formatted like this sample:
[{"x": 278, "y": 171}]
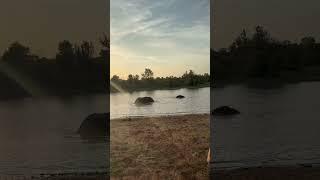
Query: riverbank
[
  {"x": 267, "y": 173},
  {"x": 166, "y": 147},
  {"x": 271, "y": 82},
  {"x": 150, "y": 88}
]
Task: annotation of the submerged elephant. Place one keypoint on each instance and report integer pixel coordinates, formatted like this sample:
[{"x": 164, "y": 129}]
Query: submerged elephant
[
  {"x": 224, "y": 111},
  {"x": 95, "y": 125},
  {"x": 180, "y": 97},
  {"x": 144, "y": 100}
]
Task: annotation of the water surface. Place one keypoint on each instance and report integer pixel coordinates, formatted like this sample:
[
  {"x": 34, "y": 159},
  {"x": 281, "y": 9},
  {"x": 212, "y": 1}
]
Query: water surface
[
  {"x": 277, "y": 126},
  {"x": 196, "y": 101},
  {"x": 38, "y": 135}
]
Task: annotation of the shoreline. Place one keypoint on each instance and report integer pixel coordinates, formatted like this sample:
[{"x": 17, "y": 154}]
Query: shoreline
[
  {"x": 156, "y": 116},
  {"x": 163, "y": 147},
  {"x": 267, "y": 173},
  {"x": 257, "y": 82},
  {"x": 61, "y": 176},
  {"x": 164, "y": 88}
]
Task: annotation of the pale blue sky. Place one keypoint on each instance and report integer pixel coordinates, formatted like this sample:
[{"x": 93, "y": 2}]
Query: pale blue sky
[{"x": 168, "y": 36}]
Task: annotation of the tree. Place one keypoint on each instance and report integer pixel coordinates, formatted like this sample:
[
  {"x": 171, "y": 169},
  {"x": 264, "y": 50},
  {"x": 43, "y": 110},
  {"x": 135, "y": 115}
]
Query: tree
[
  {"x": 105, "y": 51},
  {"x": 84, "y": 52},
  {"x": 115, "y": 78},
  {"x": 65, "y": 56},
  {"x": 240, "y": 41},
  {"x": 261, "y": 37},
  {"x": 130, "y": 78},
  {"x": 309, "y": 52},
  {"x": 136, "y": 77},
  {"x": 16, "y": 53},
  {"x": 87, "y": 49},
  {"x": 105, "y": 42},
  {"x": 308, "y": 41},
  {"x": 191, "y": 78},
  {"x": 148, "y": 74}
]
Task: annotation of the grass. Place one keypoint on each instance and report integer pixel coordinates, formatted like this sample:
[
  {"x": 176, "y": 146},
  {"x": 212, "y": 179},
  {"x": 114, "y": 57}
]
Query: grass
[{"x": 167, "y": 147}]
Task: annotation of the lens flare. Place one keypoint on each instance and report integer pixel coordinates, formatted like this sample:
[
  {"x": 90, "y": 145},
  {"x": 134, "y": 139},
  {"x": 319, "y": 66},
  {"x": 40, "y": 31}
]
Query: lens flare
[
  {"x": 117, "y": 87},
  {"x": 26, "y": 83}
]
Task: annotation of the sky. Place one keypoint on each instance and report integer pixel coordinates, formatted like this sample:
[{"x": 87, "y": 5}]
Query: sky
[
  {"x": 41, "y": 24},
  {"x": 167, "y": 36},
  {"x": 284, "y": 19}
]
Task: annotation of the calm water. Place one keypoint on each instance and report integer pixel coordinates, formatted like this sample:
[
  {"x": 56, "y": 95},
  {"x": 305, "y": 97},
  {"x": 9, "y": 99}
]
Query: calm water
[
  {"x": 278, "y": 126},
  {"x": 196, "y": 101},
  {"x": 38, "y": 136}
]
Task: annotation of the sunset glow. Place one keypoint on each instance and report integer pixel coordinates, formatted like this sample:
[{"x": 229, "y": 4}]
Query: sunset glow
[{"x": 169, "y": 36}]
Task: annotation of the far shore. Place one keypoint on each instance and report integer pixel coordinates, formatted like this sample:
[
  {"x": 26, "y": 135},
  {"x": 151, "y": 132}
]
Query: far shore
[
  {"x": 163, "y": 88},
  {"x": 259, "y": 82},
  {"x": 165, "y": 147}
]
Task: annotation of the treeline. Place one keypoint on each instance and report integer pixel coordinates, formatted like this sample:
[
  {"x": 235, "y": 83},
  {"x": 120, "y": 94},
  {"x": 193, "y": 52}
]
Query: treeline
[
  {"x": 260, "y": 56},
  {"x": 76, "y": 69},
  {"x": 147, "y": 81}
]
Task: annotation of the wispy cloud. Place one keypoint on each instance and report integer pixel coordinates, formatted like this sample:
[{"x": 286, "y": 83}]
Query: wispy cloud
[{"x": 158, "y": 32}]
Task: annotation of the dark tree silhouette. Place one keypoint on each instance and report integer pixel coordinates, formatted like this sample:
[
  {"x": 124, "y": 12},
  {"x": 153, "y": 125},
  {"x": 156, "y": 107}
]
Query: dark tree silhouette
[
  {"x": 130, "y": 79},
  {"x": 133, "y": 83},
  {"x": 85, "y": 52},
  {"x": 308, "y": 42},
  {"x": 261, "y": 56},
  {"x": 115, "y": 78},
  {"x": 105, "y": 42},
  {"x": 16, "y": 53},
  {"x": 74, "y": 70},
  {"x": 147, "y": 75},
  {"x": 65, "y": 56},
  {"x": 136, "y": 77}
]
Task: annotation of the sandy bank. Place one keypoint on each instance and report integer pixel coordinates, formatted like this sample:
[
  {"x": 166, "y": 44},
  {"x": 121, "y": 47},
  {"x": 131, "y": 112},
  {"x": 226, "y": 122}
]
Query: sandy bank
[{"x": 167, "y": 147}]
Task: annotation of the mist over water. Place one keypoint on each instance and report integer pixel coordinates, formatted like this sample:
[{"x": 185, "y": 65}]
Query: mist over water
[
  {"x": 38, "y": 135},
  {"x": 196, "y": 101},
  {"x": 277, "y": 126}
]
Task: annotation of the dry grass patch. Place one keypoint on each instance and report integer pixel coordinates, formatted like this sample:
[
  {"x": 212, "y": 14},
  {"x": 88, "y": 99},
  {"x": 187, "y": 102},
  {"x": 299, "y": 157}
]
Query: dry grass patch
[{"x": 170, "y": 147}]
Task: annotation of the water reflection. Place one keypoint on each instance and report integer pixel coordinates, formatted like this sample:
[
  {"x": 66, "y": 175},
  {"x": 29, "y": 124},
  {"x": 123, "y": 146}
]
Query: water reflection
[
  {"x": 277, "y": 126},
  {"x": 46, "y": 127},
  {"x": 195, "y": 101}
]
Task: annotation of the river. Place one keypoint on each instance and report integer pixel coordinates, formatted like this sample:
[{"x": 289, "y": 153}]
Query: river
[
  {"x": 196, "y": 101},
  {"x": 278, "y": 126},
  {"x": 38, "y": 136}
]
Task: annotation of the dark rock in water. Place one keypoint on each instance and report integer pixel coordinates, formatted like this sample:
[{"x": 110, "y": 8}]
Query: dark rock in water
[
  {"x": 180, "y": 97},
  {"x": 224, "y": 111},
  {"x": 144, "y": 100},
  {"x": 95, "y": 125}
]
